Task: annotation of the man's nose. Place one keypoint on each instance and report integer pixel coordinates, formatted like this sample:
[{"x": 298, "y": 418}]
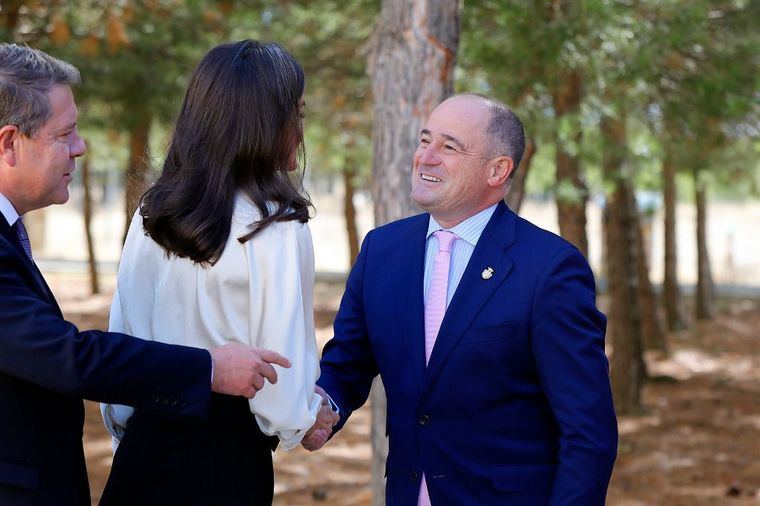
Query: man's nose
[
  {"x": 79, "y": 148},
  {"x": 429, "y": 155}
]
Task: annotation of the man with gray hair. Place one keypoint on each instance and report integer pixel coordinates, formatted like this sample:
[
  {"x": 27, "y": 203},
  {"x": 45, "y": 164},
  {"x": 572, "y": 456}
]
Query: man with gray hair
[
  {"x": 47, "y": 365},
  {"x": 485, "y": 332}
]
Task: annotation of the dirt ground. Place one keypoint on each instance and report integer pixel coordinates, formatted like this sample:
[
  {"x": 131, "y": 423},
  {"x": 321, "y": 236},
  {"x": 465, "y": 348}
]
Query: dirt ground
[{"x": 696, "y": 442}]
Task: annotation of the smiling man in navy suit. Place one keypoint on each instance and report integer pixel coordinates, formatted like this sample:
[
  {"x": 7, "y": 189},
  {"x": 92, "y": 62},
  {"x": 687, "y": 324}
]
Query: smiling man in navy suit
[
  {"x": 46, "y": 364},
  {"x": 485, "y": 332}
]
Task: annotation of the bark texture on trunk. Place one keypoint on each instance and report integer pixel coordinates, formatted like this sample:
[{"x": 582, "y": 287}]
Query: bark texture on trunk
[
  {"x": 517, "y": 188},
  {"x": 412, "y": 68},
  {"x": 349, "y": 211},
  {"x": 87, "y": 211},
  {"x": 705, "y": 288},
  {"x": 136, "y": 179},
  {"x": 572, "y": 193},
  {"x": 652, "y": 331},
  {"x": 627, "y": 370},
  {"x": 670, "y": 290}
]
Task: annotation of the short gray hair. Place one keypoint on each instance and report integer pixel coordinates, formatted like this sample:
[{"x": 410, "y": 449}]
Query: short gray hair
[
  {"x": 26, "y": 77},
  {"x": 504, "y": 133}
]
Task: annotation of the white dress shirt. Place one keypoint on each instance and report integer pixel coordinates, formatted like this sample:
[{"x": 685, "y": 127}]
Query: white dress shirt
[
  {"x": 258, "y": 293},
  {"x": 9, "y": 212}
]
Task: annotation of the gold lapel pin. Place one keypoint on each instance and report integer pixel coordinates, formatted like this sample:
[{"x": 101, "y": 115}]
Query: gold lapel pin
[{"x": 487, "y": 273}]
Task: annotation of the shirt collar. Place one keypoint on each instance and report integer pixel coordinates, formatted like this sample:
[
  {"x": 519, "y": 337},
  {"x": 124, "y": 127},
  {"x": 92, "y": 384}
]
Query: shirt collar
[
  {"x": 469, "y": 230},
  {"x": 9, "y": 212}
]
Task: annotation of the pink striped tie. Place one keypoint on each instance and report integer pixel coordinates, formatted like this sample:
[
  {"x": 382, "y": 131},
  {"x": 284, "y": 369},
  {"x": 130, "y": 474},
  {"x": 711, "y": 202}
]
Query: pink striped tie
[{"x": 435, "y": 308}]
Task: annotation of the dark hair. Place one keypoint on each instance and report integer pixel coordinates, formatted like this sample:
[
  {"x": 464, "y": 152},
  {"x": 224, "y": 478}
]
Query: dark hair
[
  {"x": 26, "y": 77},
  {"x": 239, "y": 130}
]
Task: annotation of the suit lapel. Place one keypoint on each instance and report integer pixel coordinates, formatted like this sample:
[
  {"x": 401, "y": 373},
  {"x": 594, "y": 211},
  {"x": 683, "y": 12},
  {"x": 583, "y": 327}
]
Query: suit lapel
[
  {"x": 10, "y": 234},
  {"x": 42, "y": 283},
  {"x": 31, "y": 267},
  {"x": 473, "y": 291},
  {"x": 408, "y": 278}
]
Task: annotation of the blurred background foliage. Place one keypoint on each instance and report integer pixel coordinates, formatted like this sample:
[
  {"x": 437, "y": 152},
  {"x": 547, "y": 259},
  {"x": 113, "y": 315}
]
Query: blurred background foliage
[{"x": 684, "y": 73}]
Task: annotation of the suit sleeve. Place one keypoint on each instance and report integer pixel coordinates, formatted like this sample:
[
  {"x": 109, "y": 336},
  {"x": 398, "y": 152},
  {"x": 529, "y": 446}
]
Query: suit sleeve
[
  {"x": 348, "y": 364},
  {"x": 40, "y": 347},
  {"x": 568, "y": 345},
  {"x": 116, "y": 416}
]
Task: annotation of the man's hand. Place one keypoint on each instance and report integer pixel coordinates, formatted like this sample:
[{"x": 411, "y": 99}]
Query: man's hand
[
  {"x": 241, "y": 369},
  {"x": 317, "y": 436},
  {"x": 315, "y": 439}
]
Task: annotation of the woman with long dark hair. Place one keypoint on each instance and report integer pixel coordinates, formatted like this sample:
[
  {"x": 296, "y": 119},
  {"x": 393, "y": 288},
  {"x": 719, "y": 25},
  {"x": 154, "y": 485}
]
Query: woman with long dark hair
[{"x": 219, "y": 250}]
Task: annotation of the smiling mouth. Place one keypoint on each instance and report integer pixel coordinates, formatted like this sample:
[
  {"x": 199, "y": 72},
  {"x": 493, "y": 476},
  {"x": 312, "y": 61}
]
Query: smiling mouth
[{"x": 432, "y": 179}]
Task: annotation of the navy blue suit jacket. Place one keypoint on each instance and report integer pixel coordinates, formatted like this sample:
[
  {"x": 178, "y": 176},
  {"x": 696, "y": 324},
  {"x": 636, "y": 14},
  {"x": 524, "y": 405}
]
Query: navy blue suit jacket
[
  {"x": 47, "y": 366},
  {"x": 515, "y": 405}
]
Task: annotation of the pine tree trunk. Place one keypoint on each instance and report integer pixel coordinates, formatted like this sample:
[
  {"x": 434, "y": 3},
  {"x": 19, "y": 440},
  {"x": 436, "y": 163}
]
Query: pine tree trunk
[
  {"x": 87, "y": 211},
  {"x": 517, "y": 188},
  {"x": 705, "y": 288},
  {"x": 9, "y": 14},
  {"x": 136, "y": 179},
  {"x": 652, "y": 332},
  {"x": 627, "y": 370},
  {"x": 349, "y": 210},
  {"x": 572, "y": 193},
  {"x": 412, "y": 68},
  {"x": 670, "y": 289}
]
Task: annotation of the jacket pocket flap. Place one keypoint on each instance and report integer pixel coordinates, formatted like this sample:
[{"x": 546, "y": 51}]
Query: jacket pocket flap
[
  {"x": 523, "y": 478},
  {"x": 20, "y": 476}
]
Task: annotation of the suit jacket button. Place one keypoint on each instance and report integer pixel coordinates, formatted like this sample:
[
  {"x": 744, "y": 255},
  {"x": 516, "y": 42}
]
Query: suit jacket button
[
  {"x": 424, "y": 420},
  {"x": 413, "y": 476}
]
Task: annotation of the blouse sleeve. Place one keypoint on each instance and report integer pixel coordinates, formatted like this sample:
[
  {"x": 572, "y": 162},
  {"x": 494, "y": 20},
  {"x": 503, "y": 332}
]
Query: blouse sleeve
[
  {"x": 116, "y": 416},
  {"x": 281, "y": 283}
]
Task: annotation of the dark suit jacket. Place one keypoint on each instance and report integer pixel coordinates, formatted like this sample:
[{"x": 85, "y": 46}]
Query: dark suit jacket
[
  {"x": 47, "y": 366},
  {"x": 514, "y": 406}
]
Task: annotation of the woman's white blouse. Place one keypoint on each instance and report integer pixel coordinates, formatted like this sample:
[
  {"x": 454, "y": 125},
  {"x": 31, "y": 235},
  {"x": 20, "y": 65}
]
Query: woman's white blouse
[{"x": 258, "y": 293}]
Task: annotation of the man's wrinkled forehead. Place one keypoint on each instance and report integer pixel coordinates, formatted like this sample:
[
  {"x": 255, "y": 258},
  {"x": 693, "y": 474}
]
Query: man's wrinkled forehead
[{"x": 458, "y": 118}]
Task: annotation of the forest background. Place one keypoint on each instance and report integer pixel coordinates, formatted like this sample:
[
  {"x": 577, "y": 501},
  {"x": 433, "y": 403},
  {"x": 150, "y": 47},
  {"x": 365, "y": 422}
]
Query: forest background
[{"x": 644, "y": 135}]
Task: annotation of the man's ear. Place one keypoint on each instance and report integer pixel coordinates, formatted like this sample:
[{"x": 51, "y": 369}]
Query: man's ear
[
  {"x": 8, "y": 135},
  {"x": 499, "y": 170}
]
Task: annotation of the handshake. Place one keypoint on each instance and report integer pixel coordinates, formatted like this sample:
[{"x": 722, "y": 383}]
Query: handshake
[
  {"x": 320, "y": 432},
  {"x": 242, "y": 370}
]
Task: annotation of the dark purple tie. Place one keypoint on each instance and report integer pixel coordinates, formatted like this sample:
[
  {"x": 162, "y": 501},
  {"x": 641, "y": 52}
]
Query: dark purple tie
[{"x": 23, "y": 237}]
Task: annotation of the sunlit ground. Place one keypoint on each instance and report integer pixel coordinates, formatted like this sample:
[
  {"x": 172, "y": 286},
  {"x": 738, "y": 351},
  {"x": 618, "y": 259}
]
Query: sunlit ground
[{"x": 696, "y": 442}]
